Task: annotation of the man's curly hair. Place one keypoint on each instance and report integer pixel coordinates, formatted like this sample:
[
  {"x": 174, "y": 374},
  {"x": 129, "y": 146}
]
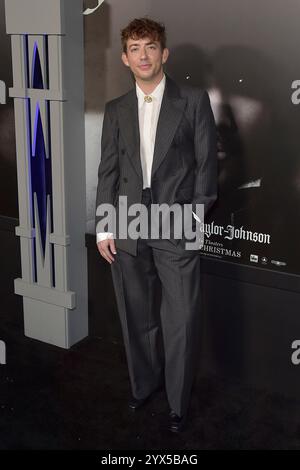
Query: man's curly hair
[{"x": 140, "y": 28}]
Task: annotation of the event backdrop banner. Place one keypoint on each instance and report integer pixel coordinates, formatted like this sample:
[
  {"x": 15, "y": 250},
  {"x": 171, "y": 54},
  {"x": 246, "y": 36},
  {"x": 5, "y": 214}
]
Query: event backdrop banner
[{"x": 245, "y": 54}]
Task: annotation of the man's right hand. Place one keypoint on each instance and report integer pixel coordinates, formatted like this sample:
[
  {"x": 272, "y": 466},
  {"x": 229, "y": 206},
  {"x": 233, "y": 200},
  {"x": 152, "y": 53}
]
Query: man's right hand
[{"x": 107, "y": 248}]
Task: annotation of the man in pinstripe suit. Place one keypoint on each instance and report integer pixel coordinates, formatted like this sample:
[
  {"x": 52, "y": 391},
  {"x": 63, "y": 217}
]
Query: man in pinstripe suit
[{"x": 158, "y": 146}]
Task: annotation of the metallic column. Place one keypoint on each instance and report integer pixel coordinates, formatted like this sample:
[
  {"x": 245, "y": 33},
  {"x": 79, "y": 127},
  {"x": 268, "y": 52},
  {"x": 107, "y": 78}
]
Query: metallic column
[{"x": 48, "y": 92}]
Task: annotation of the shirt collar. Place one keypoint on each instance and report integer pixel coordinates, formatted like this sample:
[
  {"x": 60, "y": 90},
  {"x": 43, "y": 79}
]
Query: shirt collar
[{"x": 157, "y": 93}]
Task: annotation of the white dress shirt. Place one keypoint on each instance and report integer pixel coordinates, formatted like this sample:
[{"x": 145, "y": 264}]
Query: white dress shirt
[
  {"x": 148, "y": 113},
  {"x": 148, "y": 118}
]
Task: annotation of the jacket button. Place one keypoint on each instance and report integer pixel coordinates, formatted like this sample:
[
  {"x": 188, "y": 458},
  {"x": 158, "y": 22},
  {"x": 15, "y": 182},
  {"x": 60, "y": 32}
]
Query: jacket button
[
  {"x": 125, "y": 180},
  {"x": 123, "y": 151}
]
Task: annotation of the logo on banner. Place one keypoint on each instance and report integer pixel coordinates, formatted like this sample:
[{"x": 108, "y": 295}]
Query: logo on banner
[
  {"x": 254, "y": 258},
  {"x": 278, "y": 263}
]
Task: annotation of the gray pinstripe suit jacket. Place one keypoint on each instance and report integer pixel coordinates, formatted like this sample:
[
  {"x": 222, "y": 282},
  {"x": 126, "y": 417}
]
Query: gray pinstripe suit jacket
[{"x": 184, "y": 166}]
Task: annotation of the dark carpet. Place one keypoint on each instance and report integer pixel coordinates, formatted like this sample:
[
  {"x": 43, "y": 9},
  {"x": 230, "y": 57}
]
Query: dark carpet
[{"x": 77, "y": 399}]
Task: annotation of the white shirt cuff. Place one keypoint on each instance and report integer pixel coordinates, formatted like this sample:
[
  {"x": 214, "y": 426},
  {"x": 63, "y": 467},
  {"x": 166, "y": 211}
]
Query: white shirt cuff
[{"x": 104, "y": 236}]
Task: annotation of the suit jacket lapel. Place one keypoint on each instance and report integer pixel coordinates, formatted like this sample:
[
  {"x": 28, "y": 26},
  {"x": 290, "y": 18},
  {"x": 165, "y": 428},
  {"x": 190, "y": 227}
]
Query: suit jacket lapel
[
  {"x": 171, "y": 111},
  {"x": 129, "y": 128}
]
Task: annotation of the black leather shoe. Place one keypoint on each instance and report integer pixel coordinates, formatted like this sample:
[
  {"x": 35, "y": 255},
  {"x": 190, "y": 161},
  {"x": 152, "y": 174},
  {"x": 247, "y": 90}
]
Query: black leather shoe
[
  {"x": 177, "y": 423},
  {"x": 136, "y": 403}
]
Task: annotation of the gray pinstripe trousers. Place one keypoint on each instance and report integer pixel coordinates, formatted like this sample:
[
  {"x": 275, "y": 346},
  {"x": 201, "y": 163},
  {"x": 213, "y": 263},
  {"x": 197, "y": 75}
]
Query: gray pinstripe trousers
[{"x": 158, "y": 298}]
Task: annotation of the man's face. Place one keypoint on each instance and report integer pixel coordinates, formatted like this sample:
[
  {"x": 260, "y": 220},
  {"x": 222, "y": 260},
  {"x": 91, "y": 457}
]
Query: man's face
[{"x": 145, "y": 58}]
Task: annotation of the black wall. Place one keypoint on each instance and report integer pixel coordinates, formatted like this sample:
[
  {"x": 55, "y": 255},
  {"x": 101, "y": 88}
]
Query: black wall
[{"x": 249, "y": 320}]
